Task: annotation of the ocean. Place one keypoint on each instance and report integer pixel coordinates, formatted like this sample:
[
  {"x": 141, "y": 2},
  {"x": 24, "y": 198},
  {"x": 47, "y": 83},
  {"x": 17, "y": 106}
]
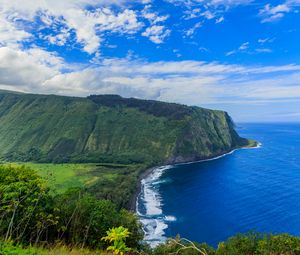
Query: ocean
[{"x": 250, "y": 189}]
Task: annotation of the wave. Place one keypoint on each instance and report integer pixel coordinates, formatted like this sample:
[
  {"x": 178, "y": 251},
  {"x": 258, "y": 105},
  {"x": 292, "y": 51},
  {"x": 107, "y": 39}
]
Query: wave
[{"x": 149, "y": 208}]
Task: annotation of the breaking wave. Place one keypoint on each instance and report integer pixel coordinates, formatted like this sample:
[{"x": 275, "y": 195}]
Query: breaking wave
[{"x": 149, "y": 208}]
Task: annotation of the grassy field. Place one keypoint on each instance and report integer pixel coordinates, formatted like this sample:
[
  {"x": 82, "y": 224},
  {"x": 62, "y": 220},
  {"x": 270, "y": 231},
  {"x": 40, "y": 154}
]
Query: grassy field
[{"x": 61, "y": 177}]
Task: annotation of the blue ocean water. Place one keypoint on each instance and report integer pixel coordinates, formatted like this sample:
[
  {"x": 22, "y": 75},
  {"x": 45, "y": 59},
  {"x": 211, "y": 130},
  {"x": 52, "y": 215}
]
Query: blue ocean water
[{"x": 250, "y": 189}]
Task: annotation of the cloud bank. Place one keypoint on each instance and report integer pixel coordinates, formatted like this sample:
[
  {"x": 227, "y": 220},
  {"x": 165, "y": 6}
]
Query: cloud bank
[{"x": 189, "y": 82}]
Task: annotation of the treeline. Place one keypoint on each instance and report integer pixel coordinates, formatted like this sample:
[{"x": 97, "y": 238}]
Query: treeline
[
  {"x": 156, "y": 108},
  {"x": 31, "y": 214},
  {"x": 36, "y": 155}
]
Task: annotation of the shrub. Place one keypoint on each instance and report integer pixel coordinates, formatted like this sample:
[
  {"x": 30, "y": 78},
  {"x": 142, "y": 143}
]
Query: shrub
[{"x": 117, "y": 238}]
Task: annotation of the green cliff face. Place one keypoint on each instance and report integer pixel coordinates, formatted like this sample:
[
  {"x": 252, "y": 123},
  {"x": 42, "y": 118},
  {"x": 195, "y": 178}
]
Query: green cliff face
[{"x": 110, "y": 128}]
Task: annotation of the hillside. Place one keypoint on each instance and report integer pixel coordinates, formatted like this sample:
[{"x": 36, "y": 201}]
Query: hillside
[{"x": 109, "y": 128}]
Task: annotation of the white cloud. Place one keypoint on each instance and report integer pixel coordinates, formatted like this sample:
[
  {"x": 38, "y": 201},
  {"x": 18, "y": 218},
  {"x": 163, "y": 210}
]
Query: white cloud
[
  {"x": 265, "y": 40},
  {"x": 229, "y": 53},
  {"x": 208, "y": 9},
  {"x": 215, "y": 3},
  {"x": 156, "y": 33},
  {"x": 153, "y": 17},
  {"x": 230, "y": 3},
  {"x": 88, "y": 25},
  {"x": 192, "y": 30},
  {"x": 244, "y": 46},
  {"x": 27, "y": 70},
  {"x": 190, "y": 82},
  {"x": 263, "y": 50},
  {"x": 208, "y": 14},
  {"x": 282, "y": 86},
  {"x": 10, "y": 34},
  {"x": 273, "y": 13},
  {"x": 220, "y": 20}
]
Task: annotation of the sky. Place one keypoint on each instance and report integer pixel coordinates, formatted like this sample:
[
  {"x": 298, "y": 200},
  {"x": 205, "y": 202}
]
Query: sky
[{"x": 242, "y": 56}]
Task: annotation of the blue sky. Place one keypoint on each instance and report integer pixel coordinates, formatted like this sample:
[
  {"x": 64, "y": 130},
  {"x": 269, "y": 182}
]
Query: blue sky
[{"x": 241, "y": 56}]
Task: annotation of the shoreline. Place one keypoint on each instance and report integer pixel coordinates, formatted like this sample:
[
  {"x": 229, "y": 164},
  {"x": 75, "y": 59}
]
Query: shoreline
[
  {"x": 155, "y": 223},
  {"x": 148, "y": 171},
  {"x": 144, "y": 174}
]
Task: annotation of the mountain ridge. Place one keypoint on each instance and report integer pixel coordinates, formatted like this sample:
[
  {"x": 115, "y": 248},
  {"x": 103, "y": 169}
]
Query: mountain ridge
[{"x": 110, "y": 128}]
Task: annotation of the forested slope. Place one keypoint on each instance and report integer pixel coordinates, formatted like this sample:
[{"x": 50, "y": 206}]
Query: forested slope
[{"x": 109, "y": 128}]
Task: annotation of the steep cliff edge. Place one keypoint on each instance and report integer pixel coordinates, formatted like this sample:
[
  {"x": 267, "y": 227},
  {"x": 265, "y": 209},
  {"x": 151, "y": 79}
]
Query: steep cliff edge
[{"x": 109, "y": 128}]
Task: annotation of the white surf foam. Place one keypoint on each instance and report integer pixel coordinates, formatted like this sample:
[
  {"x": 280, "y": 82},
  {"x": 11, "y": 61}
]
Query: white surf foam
[{"x": 150, "y": 209}]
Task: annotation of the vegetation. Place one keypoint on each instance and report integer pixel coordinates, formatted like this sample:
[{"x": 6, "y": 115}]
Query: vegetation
[
  {"x": 117, "y": 236},
  {"x": 249, "y": 244},
  {"x": 114, "y": 182},
  {"x": 111, "y": 129},
  {"x": 7, "y": 248},
  {"x": 31, "y": 215},
  {"x": 34, "y": 220}
]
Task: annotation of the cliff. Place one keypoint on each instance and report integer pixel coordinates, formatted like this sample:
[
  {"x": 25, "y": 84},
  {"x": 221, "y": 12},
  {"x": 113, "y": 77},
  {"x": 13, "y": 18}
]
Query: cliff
[{"x": 109, "y": 128}]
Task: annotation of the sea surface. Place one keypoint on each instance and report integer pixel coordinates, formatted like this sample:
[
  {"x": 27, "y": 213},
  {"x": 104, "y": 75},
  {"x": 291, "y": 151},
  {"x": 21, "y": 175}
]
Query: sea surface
[{"x": 249, "y": 189}]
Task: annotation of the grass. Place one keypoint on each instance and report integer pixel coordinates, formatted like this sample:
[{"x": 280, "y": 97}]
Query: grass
[
  {"x": 9, "y": 249},
  {"x": 115, "y": 182},
  {"x": 61, "y": 177}
]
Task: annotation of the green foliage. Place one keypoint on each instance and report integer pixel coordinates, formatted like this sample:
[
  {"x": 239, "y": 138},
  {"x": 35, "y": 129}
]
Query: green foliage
[
  {"x": 10, "y": 249},
  {"x": 30, "y": 214},
  {"x": 117, "y": 237},
  {"x": 258, "y": 244},
  {"x": 182, "y": 247},
  {"x": 156, "y": 108},
  {"x": 83, "y": 219},
  {"x": 7, "y": 248},
  {"x": 115, "y": 182},
  {"x": 109, "y": 129},
  {"x": 25, "y": 204},
  {"x": 240, "y": 244},
  {"x": 279, "y": 245},
  {"x": 249, "y": 244}
]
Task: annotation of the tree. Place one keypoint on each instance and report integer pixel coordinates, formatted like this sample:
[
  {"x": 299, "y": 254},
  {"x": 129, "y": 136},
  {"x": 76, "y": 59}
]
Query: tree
[{"x": 24, "y": 200}]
